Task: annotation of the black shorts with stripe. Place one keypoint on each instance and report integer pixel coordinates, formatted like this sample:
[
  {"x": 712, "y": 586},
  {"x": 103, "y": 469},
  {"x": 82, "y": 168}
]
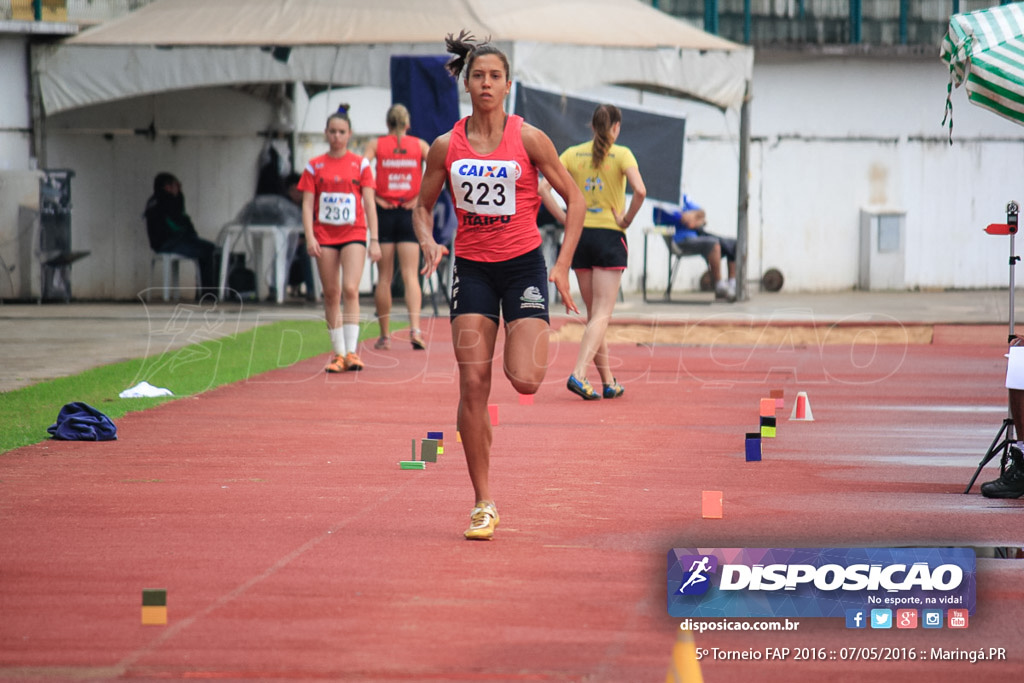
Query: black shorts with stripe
[{"x": 601, "y": 248}]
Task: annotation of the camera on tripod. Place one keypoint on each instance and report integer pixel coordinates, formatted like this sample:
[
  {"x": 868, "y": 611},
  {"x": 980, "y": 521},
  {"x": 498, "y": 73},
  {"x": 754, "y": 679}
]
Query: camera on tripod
[{"x": 1011, "y": 217}]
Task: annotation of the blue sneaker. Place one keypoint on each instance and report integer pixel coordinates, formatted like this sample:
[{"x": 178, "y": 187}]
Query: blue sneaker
[
  {"x": 613, "y": 390},
  {"x": 582, "y": 388}
]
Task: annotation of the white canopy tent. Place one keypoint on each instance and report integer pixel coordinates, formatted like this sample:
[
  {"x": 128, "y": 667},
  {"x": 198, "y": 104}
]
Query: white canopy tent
[{"x": 569, "y": 45}]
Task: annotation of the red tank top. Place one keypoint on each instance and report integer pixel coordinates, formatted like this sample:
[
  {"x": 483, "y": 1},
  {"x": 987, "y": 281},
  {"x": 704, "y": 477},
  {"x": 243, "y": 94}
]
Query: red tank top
[
  {"x": 399, "y": 168},
  {"x": 495, "y": 196}
]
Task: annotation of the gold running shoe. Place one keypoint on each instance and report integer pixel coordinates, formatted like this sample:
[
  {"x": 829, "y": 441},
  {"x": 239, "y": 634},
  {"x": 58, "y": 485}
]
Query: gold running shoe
[
  {"x": 336, "y": 364},
  {"x": 416, "y": 337},
  {"x": 482, "y": 522},
  {"x": 352, "y": 362}
]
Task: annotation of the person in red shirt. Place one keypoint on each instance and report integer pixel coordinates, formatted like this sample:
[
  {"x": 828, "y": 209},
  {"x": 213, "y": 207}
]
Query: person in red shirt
[
  {"x": 399, "y": 159},
  {"x": 337, "y": 207},
  {"x": 491, "y": 161}
]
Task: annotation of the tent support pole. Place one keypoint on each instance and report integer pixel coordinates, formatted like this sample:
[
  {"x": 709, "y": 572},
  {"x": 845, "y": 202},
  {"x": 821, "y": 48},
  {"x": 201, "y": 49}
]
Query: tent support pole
[
  {"x": 36, "y": 104},
  {"x": 743, "y": 200}
]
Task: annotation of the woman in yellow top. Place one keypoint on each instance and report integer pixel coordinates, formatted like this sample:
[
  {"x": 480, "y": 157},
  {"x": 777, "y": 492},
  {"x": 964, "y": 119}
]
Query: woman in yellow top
[{"x": 602, "y": 168}]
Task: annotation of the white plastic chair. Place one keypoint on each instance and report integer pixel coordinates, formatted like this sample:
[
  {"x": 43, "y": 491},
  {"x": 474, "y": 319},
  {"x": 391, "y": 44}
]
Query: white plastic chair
[{"x": 171, "y": 264}]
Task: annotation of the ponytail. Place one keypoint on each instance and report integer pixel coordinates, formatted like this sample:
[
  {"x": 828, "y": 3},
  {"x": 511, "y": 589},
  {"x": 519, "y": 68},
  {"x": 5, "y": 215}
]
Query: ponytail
[
  {"x": 466, "y": 49},
  {"x": 605, "y": 117}
]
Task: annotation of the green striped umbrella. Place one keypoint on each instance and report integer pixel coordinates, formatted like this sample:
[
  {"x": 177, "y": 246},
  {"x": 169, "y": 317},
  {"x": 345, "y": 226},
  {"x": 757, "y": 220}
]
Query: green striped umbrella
[{"x": 986, "y": 48}]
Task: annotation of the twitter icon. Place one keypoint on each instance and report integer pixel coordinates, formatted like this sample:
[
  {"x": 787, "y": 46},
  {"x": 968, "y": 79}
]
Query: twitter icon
[{"x": 881, "y": 618}]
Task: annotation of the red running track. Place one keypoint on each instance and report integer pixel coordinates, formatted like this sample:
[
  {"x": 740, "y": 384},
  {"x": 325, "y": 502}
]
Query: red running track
[{"x": 291, "y": 545}]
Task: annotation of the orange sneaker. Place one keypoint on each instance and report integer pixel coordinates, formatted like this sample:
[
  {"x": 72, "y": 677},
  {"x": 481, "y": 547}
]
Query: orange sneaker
[
  {"x": 336, "y": 364},
  {"x": 352, "y": 362}
]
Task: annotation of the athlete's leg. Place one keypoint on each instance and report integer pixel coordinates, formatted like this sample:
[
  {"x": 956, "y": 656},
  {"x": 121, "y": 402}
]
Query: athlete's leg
[
  {"x": 585, "y": 278},
  {"x": 409, "y": 264},
  {"x": 382, "y": 294},
  {"x": 473, "y": 337},
  {"x": 604, "y": 291},
  {"x": 353, "y": 256},
  {"x": 328, "y": 263},
  {"x": 526, "y": 353}
]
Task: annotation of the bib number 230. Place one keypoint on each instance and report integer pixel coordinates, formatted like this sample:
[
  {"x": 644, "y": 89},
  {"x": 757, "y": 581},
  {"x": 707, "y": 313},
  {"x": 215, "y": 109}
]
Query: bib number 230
[{"x": 337, "y": 208}]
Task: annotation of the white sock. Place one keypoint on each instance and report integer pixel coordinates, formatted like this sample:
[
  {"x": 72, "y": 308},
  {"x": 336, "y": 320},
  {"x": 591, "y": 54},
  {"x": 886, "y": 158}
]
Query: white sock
[
  {"x": 337, "y": 341},
  {"x": 351, "y": 337},
  {"x": 722, "y": 284},
  {"x": 732, "y": 282}
]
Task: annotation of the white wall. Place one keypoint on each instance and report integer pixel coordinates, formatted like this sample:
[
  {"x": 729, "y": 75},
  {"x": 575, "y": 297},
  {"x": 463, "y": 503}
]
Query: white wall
[
  {"x": 209, "y": 138},
  {"x": 863, "y": 132},
  {"x": 833, "y": 135}
]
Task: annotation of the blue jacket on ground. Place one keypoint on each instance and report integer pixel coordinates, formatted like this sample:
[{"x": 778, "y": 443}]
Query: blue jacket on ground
[{"x": 81, "y": 422}]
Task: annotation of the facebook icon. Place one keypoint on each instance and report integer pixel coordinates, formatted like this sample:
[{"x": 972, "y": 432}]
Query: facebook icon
[{"x": 856, "y": 618}]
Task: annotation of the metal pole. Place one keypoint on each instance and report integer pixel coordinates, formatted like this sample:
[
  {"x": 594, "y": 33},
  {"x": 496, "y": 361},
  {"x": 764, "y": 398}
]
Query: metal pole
[
  {"x": 904, "y": 19},
  {"x": 1012, "y": 211},
  {"x": 1013, "y": 262},
  {"x": 855, "y": 21},
  {"x": 743, "y": 199},
  {"x": 746, "y": 22},
  {"x": 711, "y": 16}
]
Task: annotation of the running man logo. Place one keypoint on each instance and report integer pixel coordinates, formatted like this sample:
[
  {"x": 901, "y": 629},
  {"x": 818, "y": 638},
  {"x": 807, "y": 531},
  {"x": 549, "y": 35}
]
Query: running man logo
[{"x": 695, "y": 580}]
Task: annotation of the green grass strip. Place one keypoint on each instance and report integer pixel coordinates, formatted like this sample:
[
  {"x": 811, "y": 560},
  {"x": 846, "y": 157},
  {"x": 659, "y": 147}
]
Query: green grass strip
[{"x": 190, "y": 370}]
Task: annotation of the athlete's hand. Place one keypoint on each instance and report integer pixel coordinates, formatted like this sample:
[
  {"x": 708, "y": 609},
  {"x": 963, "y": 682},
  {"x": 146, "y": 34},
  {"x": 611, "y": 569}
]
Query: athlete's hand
[
  {"x": 620, "y": 219},
  {"x": 374, "y": 251},
  {"x": 432, "y": 253},
  {"x": 312, "y": 247},
  {"x": 560, "y": 276}
]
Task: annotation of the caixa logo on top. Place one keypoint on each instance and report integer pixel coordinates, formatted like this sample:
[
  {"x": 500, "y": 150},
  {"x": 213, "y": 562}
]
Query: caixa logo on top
[{"x": 816, "y": 582}]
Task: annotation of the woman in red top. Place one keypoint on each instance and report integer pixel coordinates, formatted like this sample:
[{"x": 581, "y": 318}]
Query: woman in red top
[
  {"x": 337, "y": 206},
  {"x": 491, "y": 161},
  {"x": 399, "y": 170}
]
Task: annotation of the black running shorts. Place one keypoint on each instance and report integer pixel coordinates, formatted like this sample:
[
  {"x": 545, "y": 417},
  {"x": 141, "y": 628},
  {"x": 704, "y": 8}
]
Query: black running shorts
[
  {"x": 517, "y": 288},
  {"x": 395, "y": 225},
  {"x": 601, "y": 248}
]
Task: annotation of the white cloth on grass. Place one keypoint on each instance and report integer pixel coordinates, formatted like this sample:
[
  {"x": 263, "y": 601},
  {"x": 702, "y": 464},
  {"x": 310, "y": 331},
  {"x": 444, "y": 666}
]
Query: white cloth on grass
[{"x": 147, "y": 390}]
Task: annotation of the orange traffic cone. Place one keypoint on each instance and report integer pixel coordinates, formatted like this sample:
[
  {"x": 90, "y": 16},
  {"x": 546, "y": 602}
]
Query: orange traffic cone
[
  {"x": 802, "y": 408},
  {"x": 684, "y": 667}
]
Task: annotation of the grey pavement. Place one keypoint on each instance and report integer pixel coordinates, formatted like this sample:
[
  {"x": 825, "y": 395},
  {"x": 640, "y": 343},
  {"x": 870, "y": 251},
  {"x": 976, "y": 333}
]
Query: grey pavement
[{"x": 46, "y": 341}]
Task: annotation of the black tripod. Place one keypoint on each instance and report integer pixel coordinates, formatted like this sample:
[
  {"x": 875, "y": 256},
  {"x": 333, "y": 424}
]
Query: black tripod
[{"x": 1004, "y": 437}]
